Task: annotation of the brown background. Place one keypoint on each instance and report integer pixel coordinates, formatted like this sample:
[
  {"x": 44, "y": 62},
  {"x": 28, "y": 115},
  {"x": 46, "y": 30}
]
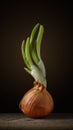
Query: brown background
[{"x": 17, "y": 20}]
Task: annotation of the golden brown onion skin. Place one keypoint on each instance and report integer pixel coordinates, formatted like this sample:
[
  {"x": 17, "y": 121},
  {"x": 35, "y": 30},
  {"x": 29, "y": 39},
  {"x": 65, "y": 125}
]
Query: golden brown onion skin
[{"x": 37, "y": 102}]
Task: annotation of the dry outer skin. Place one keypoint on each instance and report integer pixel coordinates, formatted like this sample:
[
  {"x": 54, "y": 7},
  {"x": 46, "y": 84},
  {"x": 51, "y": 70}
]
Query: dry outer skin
[{"x": 37, "y": 102}]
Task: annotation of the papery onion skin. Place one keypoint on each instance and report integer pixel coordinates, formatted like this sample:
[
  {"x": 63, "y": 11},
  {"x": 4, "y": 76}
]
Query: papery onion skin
[{"x": 37, "y": 102}]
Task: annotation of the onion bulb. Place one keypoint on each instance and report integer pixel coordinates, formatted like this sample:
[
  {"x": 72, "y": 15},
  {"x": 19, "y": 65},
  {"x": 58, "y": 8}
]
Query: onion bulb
[{"x": 37, "y": 102}]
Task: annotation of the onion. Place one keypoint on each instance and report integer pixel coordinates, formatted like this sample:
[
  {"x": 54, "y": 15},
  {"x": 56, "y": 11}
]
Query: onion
[{"x": 37, "y": 102}]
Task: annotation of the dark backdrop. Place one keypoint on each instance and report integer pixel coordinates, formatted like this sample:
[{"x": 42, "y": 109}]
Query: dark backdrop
[{"x": 17, "y": 20}]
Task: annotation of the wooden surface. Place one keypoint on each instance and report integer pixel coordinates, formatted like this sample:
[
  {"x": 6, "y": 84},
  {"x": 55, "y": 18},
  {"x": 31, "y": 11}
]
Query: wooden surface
[{"x": 18, "y": 121}]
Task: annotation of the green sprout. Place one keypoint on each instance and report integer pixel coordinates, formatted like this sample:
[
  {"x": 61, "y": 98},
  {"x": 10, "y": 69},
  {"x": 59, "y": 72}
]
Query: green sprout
[{"x": 31, "y": 54}]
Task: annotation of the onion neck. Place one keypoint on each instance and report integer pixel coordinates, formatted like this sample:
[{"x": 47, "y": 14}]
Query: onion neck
[
  {"x": 38, "y": 86},
  {"x": 38, "y": 76}
]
